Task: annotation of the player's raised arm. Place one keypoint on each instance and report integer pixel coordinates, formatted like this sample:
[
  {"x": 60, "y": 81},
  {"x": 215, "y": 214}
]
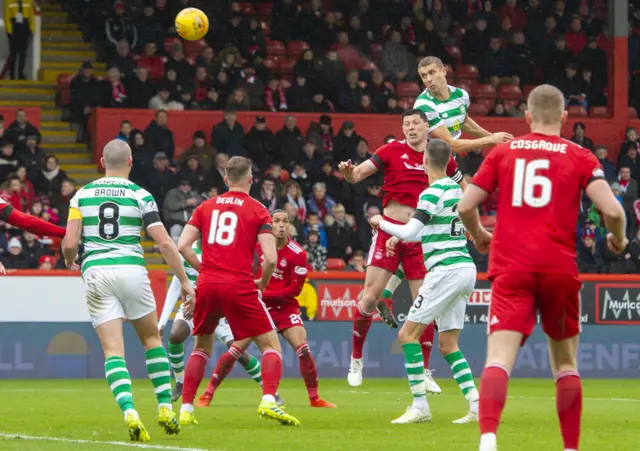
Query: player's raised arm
[
  {"x": 603, "y": 198},
  {"x": 469, "y": 145},
  {"x": 356, "y": 174},
  {"x": 472, "y": 128},
  {"x": 29, "y": 223}
]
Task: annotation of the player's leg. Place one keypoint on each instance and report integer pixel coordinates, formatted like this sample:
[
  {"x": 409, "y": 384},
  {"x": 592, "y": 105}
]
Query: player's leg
[
  {"x": 107, "y": 316},
  {"x": 139, "y": 305},
  {"x": 296, "y": 335},
  {"x": 385, "y": 304},
  {"x": 512, "y": 316},
  {"x": 180, "y": 331},
  {"x": 380, "y": 268},
  {"x": 559, "y": 305},
  {"x": 415, "y": 272}
]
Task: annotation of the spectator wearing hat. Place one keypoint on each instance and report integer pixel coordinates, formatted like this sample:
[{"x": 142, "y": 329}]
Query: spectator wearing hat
[
  {"x": 252, "y": 86},
  {"x": 20, "y": 129},
  {"x": 630, "y": 160},
  {"x": 32, "y": 157},
  {"x": 590, "y": 259},
  {"x": 162, "y": 100},
  {"x": 345, "y": 142},
  {"x": 321, "y": 134},
  {"x": 49, "y": 180},
  {"x": 85, "y": 93},
  {"x": 228, "y": 136},
  {"x": 14, "y": 258},
  {"x": 316, "y": 252},
  {"x": 8, "y": 160},
  {"x": 140, "y": 88},
  {"x": 580, "y": 138},
  {"x": 179, "y": 204},
  {"x": 119, "y": 27},
  {"x": 160, "y": 179},
  {"x": 341, "y": 236},
  {"x": 160, "y": 136},
  {"x": 123, "y": 60},
  {"x": 261, "y": 144},
  {"x": 46, "y": 263},
  {"x": 203, "y": 152},
  {"x": 319, "y": 104},
  {"x": 192, "y": 170}
]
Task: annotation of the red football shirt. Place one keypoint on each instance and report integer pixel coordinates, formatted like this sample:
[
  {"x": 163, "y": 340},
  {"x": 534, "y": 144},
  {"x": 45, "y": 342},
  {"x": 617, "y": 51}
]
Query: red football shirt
[
  {"x": 288, "y": 278},
  {"x": 539, "y": 179},
  {"x": 229, "y": 225},
  {"x": 404, "y": 176}
]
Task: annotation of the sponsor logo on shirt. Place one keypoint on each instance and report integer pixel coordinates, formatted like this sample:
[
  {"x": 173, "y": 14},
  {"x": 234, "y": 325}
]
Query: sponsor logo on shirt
[
  {"x": 413, "y": 167},
  {"x": 300, "y": 270}
]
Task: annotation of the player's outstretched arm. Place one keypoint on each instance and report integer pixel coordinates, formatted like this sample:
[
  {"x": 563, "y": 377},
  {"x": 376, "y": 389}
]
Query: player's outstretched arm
[
  {"x": 472, "y": 128},
  {"x": 356, "y": 174},
  {"x": 406, "y": 232},
  {"x": 600, "y": 193},
  {"x": 469, "y": 145},
  {"x": 190, "y": 234},
  {"x": 31, "y": 224},
  {"x": 269, "y": 257}
]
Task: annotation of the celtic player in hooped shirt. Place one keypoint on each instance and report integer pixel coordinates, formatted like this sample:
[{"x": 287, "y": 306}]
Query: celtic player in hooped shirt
[{"x": 108, "y": 216}]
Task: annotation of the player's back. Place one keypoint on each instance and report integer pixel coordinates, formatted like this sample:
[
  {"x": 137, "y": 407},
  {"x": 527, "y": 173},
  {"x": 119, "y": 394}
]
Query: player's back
[
  {"x": 404, "y": 175},
  {"x": 229, "y": 225},
  {"x": 539, "y": 179},
  {"x": 113, "y": 211}
]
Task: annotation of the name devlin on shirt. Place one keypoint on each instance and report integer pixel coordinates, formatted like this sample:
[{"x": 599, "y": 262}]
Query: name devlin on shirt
[{"x": 229, "y": 200}]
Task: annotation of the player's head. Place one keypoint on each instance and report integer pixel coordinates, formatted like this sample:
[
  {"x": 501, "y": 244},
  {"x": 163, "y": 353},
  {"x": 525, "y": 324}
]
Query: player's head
[
  {"x": 238, "y": 173},
  {"x": 415, "y": 126},
  {"x": 116, "y": 157},
  {"x": 280, "y": 224},
  {"x": 437, "y": 155},
  {"x": 433, "y": 73},
  {"x": 545, "y": 107}
]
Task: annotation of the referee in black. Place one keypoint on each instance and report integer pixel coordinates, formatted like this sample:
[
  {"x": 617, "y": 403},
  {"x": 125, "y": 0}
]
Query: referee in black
[{"x": 19, "y": 22}]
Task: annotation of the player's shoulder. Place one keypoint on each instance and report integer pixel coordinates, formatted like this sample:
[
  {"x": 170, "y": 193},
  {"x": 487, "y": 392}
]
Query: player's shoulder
[
  {"x": 395, "y": 145},
  {"x": 424, "y": 101},
  {"x": 458, "y": 93},
  {"x": 295, "y": 248}
]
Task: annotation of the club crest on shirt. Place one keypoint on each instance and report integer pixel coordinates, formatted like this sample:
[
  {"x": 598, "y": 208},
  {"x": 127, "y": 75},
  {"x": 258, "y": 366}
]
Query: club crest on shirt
[
  {"x": 378, "y": 255},
  {"x": 283, "y": 262}
]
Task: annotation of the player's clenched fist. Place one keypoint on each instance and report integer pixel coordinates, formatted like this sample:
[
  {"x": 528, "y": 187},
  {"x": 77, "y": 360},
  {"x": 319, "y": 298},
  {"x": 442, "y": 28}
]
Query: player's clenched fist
[
  {"x": 482, "y": 241},
  {"x": 346, "y": 168},
  {"x": 375, "y": 221},
  {"x": 614, "y": 245}
]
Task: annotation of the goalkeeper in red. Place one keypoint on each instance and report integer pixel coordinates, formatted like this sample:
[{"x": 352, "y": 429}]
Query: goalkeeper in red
[{"x": 280, "y": 298}]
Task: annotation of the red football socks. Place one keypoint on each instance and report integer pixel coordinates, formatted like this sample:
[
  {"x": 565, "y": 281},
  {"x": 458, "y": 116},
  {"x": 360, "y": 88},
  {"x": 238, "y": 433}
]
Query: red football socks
[
  {"x": 493, "y": 396},
  {"x": 569, "y": 407},
  {"x": 223, "y": 368},
  {"x": 193, "y": 375},
  {"x": 361, "y": 326},
  {"x": 426, "y": 343},
  {"x": 308, "y": 370},
  {"x": 271, "y": 372}
]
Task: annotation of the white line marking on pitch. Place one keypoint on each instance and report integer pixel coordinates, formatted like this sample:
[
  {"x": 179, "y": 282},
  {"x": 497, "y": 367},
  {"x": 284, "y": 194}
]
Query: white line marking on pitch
[{"x": 97, "y": 442}]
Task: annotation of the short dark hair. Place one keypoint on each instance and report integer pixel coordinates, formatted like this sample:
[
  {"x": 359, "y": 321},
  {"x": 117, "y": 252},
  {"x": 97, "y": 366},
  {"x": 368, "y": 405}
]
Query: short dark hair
[
  {"x": 125, "y": 122},
  {"x": 413, "y": 112},
  {"x": 276, "y": 211},
  {"x": 160, "y": 111},
  {"x": 439, "y": 152}
]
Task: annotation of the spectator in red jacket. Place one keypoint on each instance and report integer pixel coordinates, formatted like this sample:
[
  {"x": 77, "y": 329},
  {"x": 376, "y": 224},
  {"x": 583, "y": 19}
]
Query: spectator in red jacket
[
  {"x": 347, "y": 54},
  {"x": 18, "y": 197},
  {"x": 576, "y": 37},
  {"x": 515, "y": 13},
  {"x": 152, "y": 62}
]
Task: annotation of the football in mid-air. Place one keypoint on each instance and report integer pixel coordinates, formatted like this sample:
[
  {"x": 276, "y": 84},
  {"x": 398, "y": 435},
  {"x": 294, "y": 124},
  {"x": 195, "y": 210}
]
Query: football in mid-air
[{"x": 192, "y": 24}]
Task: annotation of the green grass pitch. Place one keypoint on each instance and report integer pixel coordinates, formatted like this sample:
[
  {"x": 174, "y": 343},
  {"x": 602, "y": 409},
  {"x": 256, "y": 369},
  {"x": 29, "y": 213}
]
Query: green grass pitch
[{"x": 84, "y": 410}]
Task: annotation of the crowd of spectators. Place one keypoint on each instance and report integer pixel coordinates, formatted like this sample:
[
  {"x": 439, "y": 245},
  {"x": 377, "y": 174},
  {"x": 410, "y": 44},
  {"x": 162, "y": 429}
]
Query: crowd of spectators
[
  {"x": 346, "y": 56},
  {"x": 31, "y": 182}
]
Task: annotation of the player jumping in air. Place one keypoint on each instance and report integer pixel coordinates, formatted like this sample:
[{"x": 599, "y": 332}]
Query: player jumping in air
[
  {"x": 230, "y": 226},
  {"x": 280, "y": 299},
  {"x": 446, "y": 289},
  {"x": 404, "y": 180},
  {"x": 107, "y": 216},
  {"x": 182, "y": 328},
  {"x": 532, "y": 263},
  {"x": 446, "y": 108}
]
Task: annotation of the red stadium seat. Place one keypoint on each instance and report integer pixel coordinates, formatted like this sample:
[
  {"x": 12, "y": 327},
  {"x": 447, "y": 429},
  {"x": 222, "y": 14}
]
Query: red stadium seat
[
  {"x": 487, "y": 103},
  {"x": 335, "y": 264},
  {"x": 458, "y": 33},
  {"x": 285, "y": 66},
  {"x": 464, "y": 84},
  {"x": 449, "y": 70},
  {"x": 295, "y": 48},
  {"x": 598, "y": 111},
  {"x": 476, "y": 109},
  {"x": 264, "y": 10},
  {"x": 405, "y": 104},
  {"x": 467, "y": 71},
  {"x": 408, "y": 89},
  {"x": 485, "y": 92},
  {"x": 454, "y": 52},
  {"x": 527, "y": 90},
  {"x": 171, "y": 42},
  {"x": 64, "y": 97},
  {"x": 195, "y": 47},
  {"x": 488, "y": 222},
  {"x": 633, "y": 114},
  {"x": 576, "y": 110},
  {"x": 64, "y": 81},
  {"x": 275, "y": 48},
  {"x": 510, "y": 103},
  {"x": 510, "y": 92},
  {"x": 376, "y": 51},
  {"x": 271, "y": 64}
]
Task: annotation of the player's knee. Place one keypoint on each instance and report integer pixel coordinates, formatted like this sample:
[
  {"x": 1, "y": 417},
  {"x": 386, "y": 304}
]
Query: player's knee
[
  {"x": 446, "y": 347},
  {"x": 405, "y": 337}
]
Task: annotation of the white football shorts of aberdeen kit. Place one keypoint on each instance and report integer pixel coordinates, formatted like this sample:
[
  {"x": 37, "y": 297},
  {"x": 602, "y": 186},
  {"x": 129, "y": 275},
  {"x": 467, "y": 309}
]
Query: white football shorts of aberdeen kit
[
  {"x": 443, "y": 297},
  {"x": 222, "y": 333},
  {"x": 118, "y": 292}
]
